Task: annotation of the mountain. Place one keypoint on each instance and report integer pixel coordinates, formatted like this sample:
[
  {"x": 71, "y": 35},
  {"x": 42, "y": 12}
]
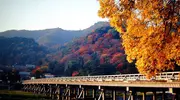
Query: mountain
[
  {"x": 54, "y": 35},
  {"x": 20, "y": 51},
  {"x": 99, "y": 52}
]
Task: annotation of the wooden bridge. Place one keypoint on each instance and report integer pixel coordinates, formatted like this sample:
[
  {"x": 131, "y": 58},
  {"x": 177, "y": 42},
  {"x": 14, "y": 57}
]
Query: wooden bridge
[{"x": 108, "y": 87}]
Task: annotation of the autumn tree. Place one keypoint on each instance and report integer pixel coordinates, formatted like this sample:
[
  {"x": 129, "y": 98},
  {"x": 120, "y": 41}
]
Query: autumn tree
[{"x": 150, "y": 30}]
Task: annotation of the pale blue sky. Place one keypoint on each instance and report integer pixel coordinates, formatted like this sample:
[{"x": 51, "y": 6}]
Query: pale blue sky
[{"x": 42, "y": 14}]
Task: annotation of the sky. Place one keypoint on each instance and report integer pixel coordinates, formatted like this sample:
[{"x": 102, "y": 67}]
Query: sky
[{"x": 43, "y": 14}]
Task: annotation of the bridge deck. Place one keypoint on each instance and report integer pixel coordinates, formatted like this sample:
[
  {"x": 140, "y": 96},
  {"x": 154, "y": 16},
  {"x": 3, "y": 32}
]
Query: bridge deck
[
  {"x": 175, "y": 84},
  {"x": 162, "y": 80}
]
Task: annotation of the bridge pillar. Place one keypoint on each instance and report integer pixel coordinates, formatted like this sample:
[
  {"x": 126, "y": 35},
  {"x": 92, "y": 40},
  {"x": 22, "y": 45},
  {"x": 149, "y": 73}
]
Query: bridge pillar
[
  {"x": 144, "y": 96},
  {"x": 102, "y": 94},
  {"x": 93, "y": 93},
  {"x": 39, "y": 89},
  {"x": 133, "y": 95},
  {"x": 43, "y": 89},
  {"x": 124, "y": 95},
  {"x": 73, "y": 93},
  {"x": 81, "y": 93},
  {"x": 171, "y": 90},
  {"x": 78, "y": 92},
  {"x": 50, "y": 91},
  {"x": 62, "y": 93},
  {"x": 163, "y": 95},
  {"x": 85, "y": 92},
  {"x": 113, "y": 94},
  {"x": 154, "y": 95},
  {"x": 25, "y": 88},
  {"x": 46, "y": 90},
  {"x": 34, "y": 87},
  {"x": 31, "y": 88},
  {"x": 54, "y": 96},
  {"x": 68, "y": 93},
  {"x": 175, "y": 92},
  {"x": 57, "y": 92}
]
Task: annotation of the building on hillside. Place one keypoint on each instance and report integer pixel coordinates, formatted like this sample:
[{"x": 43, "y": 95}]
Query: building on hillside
[
  {"x": 24, "y": 75},
  {"x": 18, "y": 66},
  {"x": 30, "y": 66},
  {"x": 48, "y": 75}
]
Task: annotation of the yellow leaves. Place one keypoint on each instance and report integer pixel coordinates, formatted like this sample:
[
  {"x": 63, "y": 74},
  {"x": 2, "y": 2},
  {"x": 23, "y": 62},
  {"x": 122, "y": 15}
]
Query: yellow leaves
[
  {"x": 150, "y": 32},
  {"x": 107, "y": 8},
  {"x": 179, "y": 30},
  {"x": 178, "y": 61}
]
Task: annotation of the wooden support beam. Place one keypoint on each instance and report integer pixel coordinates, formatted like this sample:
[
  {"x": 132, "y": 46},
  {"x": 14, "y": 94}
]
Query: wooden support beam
[
  {"x": 73, "y": 93},
  {"x": 86, "y": 92},
  {"x": 69, "y": 93},
  {"x": 23, "y": 89},
  {"x": 124, "y": 95},
  {"x": 163, "y": 95},
  {"x": 74, "y": 90},
  {"x": 47, "y": 91},
  {"x": 134, "y": 95},
  {"x": 33, "y": 89},
  {"x": 81, "y": 94},
  {"x": 78, "y": 92},
  {"x": 113, "y": 94},
  {"x": 50, "y": 91},
  {"x": 154, "y": 95},
  {"x": 26, "y": 88},
  {"x": 44, "y": 90},
  {"x": 94, "y": 93},
  {"x": 39, "y": 89},
  {"x": 171, "y": 90},
  {"x": 102, "y": 95},
  {"x": 66, "y": 93},
  {"x": 144, "y": 96},
  {"x": 57, "y": 92},
  {"x": 53, "y": 93},
  {"x": 62, "y": 93}
]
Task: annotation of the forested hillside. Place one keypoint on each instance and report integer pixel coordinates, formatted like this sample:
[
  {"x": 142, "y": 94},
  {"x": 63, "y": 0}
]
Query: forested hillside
[
  {"x": 100, "y": 52},
  {"x": 20, "y": 51}
]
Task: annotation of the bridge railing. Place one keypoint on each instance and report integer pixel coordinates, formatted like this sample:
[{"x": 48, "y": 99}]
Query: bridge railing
[{"x": 121, "y": 77}]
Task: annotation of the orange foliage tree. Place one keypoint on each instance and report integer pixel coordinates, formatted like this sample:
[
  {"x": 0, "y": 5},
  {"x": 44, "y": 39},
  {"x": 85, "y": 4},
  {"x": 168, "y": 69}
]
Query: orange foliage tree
[{"x": 150, "y": 30}]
